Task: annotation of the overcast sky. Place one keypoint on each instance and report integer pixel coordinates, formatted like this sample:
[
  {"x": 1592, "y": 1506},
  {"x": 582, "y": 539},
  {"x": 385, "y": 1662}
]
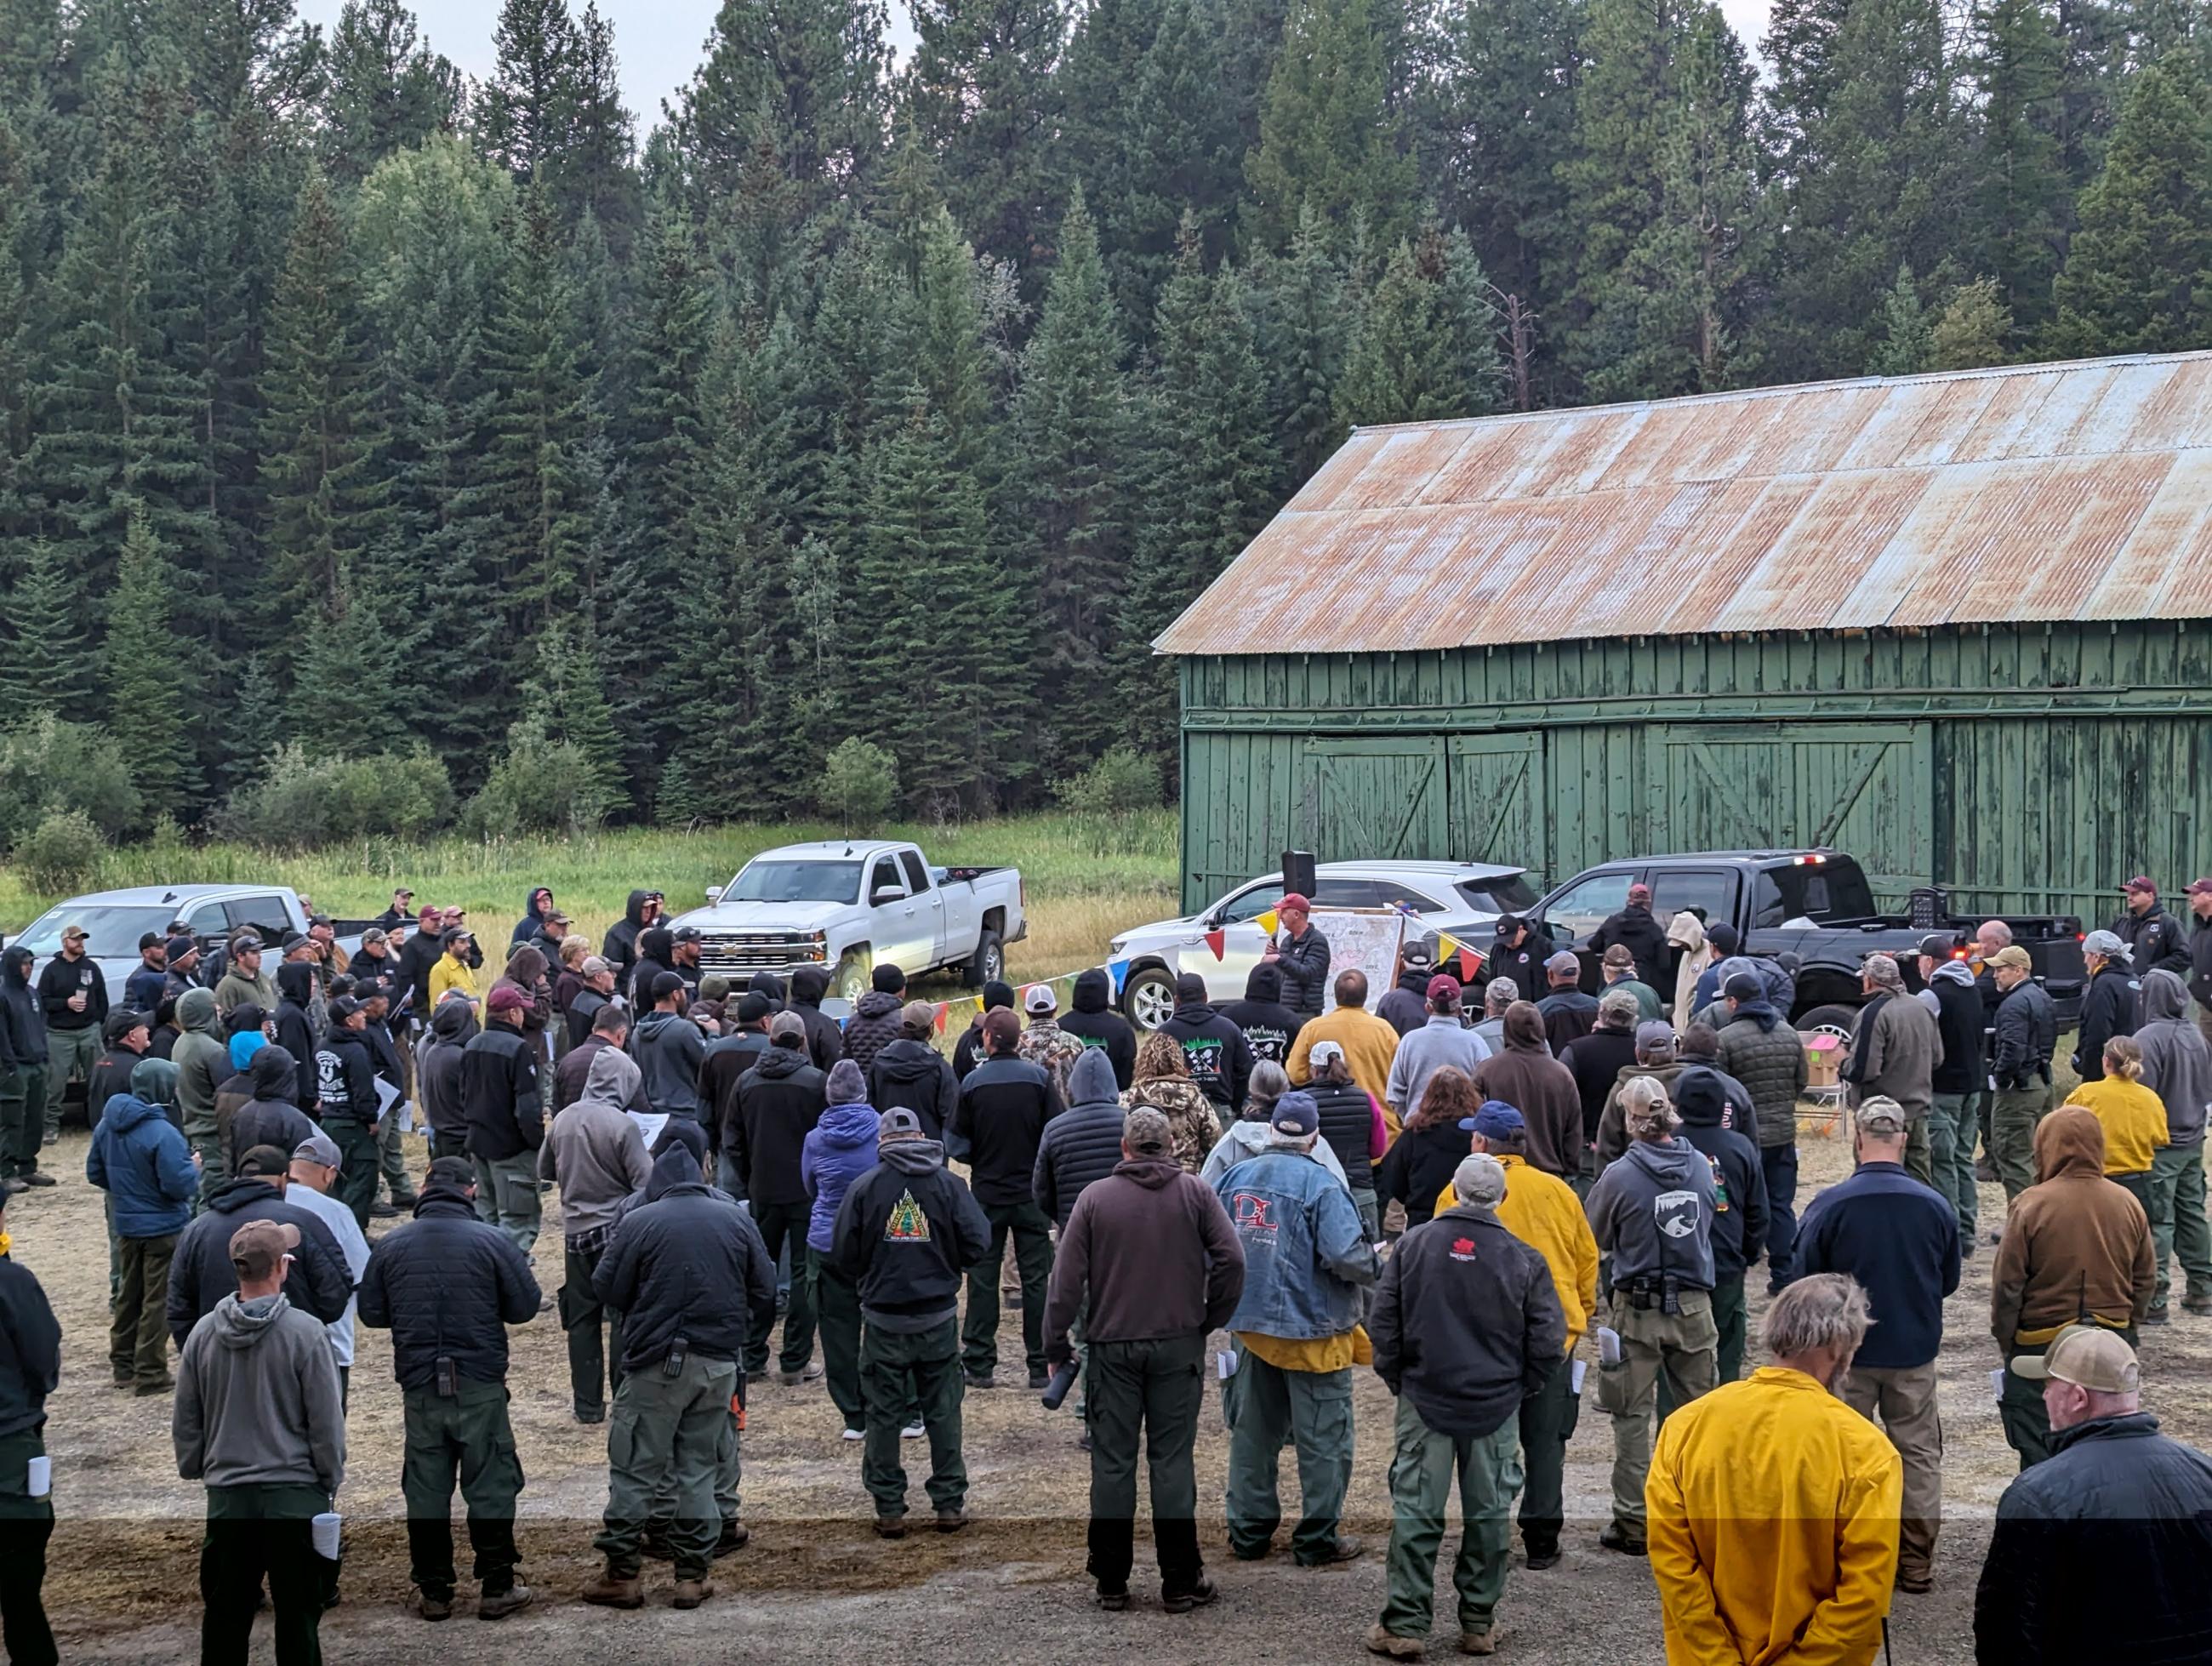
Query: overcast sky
[{"x": 659, "y": 41}]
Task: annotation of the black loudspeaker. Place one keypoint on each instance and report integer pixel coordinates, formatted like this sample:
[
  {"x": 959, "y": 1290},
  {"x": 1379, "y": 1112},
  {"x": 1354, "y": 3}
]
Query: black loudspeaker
[{"x": 1298, "y": 873}]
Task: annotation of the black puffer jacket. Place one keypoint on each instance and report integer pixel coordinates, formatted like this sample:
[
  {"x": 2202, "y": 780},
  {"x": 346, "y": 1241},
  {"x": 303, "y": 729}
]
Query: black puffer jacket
[
  {"x": 447, "y": 1286},
  {"x": 1091, "y": 1018},
  {"x": 2108, "y": 1009},
  {"x": 2027, "y": 1034},
  {"x": 201, "y": 1274},
  {"x": 1405, "y": 1008},
  {"x": 1269, "y": 1026},
  {"x": 1305, "y": 962},
  {"x": 1083, "y": 1143},
  {"x": 825, "y": 1042},
  {"x": 778, "y": 1102},
  {"x": 2099, "y": 1553},
  {"x": 1347, "y": 1125},
  {"x": 874, "y": 1026},
  {"x": 1768, "y": 1057},
  {"x": 915, "y": 1076},
  {"x": 686, "y": 1264}
]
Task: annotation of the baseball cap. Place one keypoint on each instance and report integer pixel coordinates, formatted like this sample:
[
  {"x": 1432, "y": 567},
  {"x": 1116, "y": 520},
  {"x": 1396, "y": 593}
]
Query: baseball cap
[
  {"x": 320, "y": 1148},
  {"x": 257, "y": 1247},
  {"x": 1508, "y": 924},
  {"x": 506, "y": 998},
  {"x": 1325, "y": 1052},
  {"x": 1653, "y": 1115},
  {"x": 1639, "y": 893},
  {"x": 452, "y": 1170},
  {"x": 2013, "y": 955},
  {"x": 75, "y": 929},
  {"x": 2110, "y": 945},
  {"x": 666, "y": 984},
  {"x": 786, "y": 1026},
  {"x": 899, "y": 1123},
  {"x": 148, "y": 940},
  {"x": 1495, "y": 1119},
  {"x": 1655, "y": 1033},
  {"x": 1295, "y": 899},
  {"x": 2142, "y": 882},
  {"x": 2087, "y": 1355},
  {"x": 246, "y": 943},
  {"x": 121, "y": 1022},
  {"x": 681, "y": 934},
  {"x": 345, "y": 1006},
  {"x": 2198, "y": 887},
  {"x": 1295, "y": 1113},
  {"x": 1146, "y": 1129},
  {"x": 1417, "y": 954},
  {"x": 1880, "y": 1117},
  {"x": 918, "y": 1016},
  {"x": 1564, "y": 961},
  {"x": 1742, "y": 986},
  {"x": 1444, "y": 987},
  {"x": 1619, "y": 957},
  {"x": 1039, "y": 998},
  {"x": 319, "y": 919},
  {"x": 1938, "y": 945},
  {"x": 179, "y": 947}
]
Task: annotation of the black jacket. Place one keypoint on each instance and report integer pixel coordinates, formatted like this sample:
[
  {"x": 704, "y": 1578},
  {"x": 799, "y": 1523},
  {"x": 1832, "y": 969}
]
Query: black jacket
[
  {"x": 295, "y": 1032},
  {"x": 1083, "y": 1143},
  {"x": 778, "y": 1102},
  {"x": 874, "y": 1026},
  {"x": 619, "y": 947},
  {"x": 502, "y": 1100},
  {"x": 1466, "y": 1322},
  {"x": 1404, "y": 1006},
  {"x": 345, "y": 1077},
  {"x": 1092, "y": 1020},
  {"x": 2027, "y": 1032},
  {"x": 447, "y": 1286},
  {"x": 656, "y": 954},
  {"x": 375, "y": 974},
  {"x": 1568, "y": 1015},
  {"x": 2099, "y": 1553},
  {"x": 23, "y": 1025},
  {"x": 1304, "y": 962},
  {"x": 1740, "y": 1213},
  {"x": 1001, "y": 1112},
  {"x": 2200, "y": 963},
  {"x": 1596, "y": 1061},
  {"x": 30, "y": 1350},
  {"x": 1419, "y": 1165},
  {"x": 727, "y": 1060},
  {"x": 1635, "y": 929},
  {"x": 915, "y": 1076},
  {"x": 110, "y": 1077},
  {"x": 269, "y": 1117},
  {"x": 906, "y": 1234},
  {"x": 1961, "y": 1024},
  {"x": 825, "y": 1041},
  {"x": 2108, "y": 1009},
  {"x": 1899, "y": 1238},
  {"x": 1347, "y": 1124},
  {"x": 1269, "y": 1026},
  {"x": 59, "y": 979},
  {"x": 438, "y": 1068},
  {"x": 2158, "y": 941},
  {"x": 1215, "y": 1049},
  {"x": 1524, "y": 965},
  {"x": 417, "y": 954},
  {"x": 967, "y": 1051},
  {"x": 688, "y": 1267},
  {"x": 201, "y": 1274},
  {"x": 583, "y": 1013}
]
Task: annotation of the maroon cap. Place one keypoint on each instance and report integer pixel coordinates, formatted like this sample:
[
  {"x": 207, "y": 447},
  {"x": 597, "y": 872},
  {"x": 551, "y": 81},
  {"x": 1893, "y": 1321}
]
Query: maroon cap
[
  {"x": 2142, "y": 882},
  {"x": 1294, "y": 900},
  {"x": 1639, "y": 893},
  {"x": 2199, "y": 887},
  {"x": 1444, "y": 987},
  {"x": 506, "y": 998}
]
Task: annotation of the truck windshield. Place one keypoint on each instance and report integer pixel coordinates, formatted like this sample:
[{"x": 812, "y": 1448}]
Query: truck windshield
[
  {"x": 114, "y": 930},
  {"x": 795, "y": 882}
]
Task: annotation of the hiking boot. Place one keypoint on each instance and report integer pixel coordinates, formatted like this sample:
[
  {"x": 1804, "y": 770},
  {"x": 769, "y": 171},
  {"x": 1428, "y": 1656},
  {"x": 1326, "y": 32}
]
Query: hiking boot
[
  {"x": 811, "y": 1373},
  {"x": 2157, "y": 1315},
  {"x": 433, "y": 1609},
  {"x": 1345, "y": 1548},
  {"x": 759, "y": 1376},
  {"x": 1984, "y": 1170},
  {"x": 1040, "y": 1379},
  {"x": 1195, "y": 1597},
  {"x": 39, "y": 1176},
  {"x": 1113, "y": 1600},
  {"x": 1476, "y": 1643},
  {"x": 160, "y": 1385},
  {"x": 607, "y": 1590},
  {"x": 1542, "y": 1553},
  {"x": 951, "y": 1521},
  {"x": 591, "y": 1414},
  {"x": 1616, "y": 1537},
  {"x": 690, "y": 1593},
  {"x": 15, "y": 1183},
  {"x": 2197, "y": 1304},
  {"x": 125, "y": 1377},
  {"x": 1011, "y": 1298},
  {"x": 890, "y": 1526},
  {"x": 982, "y": 1379},
  {"x": 491, "y": 1606},
  {"x": 1381, "y": 1642},
  {"x": 736, "y": 1536},
  {"x": 384, "y": 1212}
]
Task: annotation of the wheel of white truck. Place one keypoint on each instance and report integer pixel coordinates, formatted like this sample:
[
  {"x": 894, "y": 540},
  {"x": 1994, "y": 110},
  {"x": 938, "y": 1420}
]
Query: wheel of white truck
[
  {"x": 1148, "y": 1000},
  {"x": 989, "y": 962},
  {"x": 851, "y": 981}
]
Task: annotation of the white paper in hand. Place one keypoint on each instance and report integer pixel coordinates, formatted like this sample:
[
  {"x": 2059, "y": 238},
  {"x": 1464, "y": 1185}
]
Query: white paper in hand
[
  {"x": 1224, "y": 1364},
  {"x": 649, "y": 1123},
  {"x": 1575, "y": 1375},
  {"x": 1996, "y": 1383},
  {"x": 387, "y": 1096},
  {"x": 38, "y": 1477},
  {"x": 1609, "y": 1346}
]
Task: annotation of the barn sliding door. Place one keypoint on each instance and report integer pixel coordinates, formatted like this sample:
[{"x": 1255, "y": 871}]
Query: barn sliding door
[
  {"x": 1500, "y": 810},
  {"x": 1372, "y": 800}
]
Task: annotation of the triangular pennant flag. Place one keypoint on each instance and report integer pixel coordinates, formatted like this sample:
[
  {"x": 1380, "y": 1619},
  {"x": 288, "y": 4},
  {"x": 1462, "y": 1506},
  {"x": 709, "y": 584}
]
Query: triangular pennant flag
[
  {"x": 1217, "y": 941},
  {"x": 1119, "y": 971},
  {"x": 1447, "y": 946},
  {"x": 1267, "y": 923},
  {"x": 942, "y": 1009},
  {"x": 1470, "y": 963}
]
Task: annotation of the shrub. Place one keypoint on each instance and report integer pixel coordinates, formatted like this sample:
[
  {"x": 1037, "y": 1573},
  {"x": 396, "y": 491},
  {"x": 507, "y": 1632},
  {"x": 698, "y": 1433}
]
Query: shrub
[
  {"x": 1105, "y": 800},
  {"x": 62, "y": 853},
  {"x": 48, "y": 766},
  {"x": 302, "y": 802},
  {"x": 540, "y": 786},
  {"x": 860, "y": 780}
]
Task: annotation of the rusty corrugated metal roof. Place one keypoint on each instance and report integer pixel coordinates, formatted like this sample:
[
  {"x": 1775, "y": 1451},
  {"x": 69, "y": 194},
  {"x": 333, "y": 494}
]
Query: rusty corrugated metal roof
[{"x": 2054, "y": 491}]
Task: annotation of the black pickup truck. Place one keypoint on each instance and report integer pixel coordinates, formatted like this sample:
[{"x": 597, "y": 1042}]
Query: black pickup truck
[{"x": 1813, "y": 904}]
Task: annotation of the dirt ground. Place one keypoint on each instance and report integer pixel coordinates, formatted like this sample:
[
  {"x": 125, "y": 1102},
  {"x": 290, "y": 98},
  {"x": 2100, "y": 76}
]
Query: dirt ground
[{"x": 815, "y": 1585}]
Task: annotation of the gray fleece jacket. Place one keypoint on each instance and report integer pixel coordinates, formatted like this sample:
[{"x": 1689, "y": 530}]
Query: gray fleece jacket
[
  {"x": 257, "y": 1399},
  {"x": 2177, "y": 1064},
  {"x": 595, "y": 1148}
]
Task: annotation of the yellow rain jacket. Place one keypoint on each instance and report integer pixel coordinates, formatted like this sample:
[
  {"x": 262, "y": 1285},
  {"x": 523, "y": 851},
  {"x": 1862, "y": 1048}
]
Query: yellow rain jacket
[
  {"x": 1543, "y": 1211},
  {"x": 1772, "y": 1526},
  {"x": 450, "y": 974},
  {"x": 2134, "y": 1119}
]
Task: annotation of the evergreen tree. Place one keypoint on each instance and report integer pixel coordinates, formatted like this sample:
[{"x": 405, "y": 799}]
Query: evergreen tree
[
  {"x": 567, "y": 698},
  {"x": 1328, "y": 140},
  {"x": 983, "y": 99},
  {"x": 2022, "y": 200},
  {"x": 1907, "y": 345},
  {"x": 525, "y": 113},
  {"x": 1612, "y": 180},
  {"x": 595, "y": 179},
  {"x": 1426, "y": 346},
  {"x": 142, "y": 679},
  {"x": 1303, "y": 333},
  {"x": 354, "y": 686},
  {"x": 48, "y": 668},
  {"x": 388, "y": 90},
  {"x": 1973, "y": 329}
]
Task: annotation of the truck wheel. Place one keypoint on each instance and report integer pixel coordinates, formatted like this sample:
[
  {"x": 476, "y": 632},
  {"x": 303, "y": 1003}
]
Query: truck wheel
[
  {"x": 851, "y": 981},
  {"x": 1834, "y": 1014},
  {"x": 989, "y": 965},
  {"x": 1148, "y": 998}
]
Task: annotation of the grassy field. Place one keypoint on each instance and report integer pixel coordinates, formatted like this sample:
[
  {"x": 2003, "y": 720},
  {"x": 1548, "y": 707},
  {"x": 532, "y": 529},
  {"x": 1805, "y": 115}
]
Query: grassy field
[{"x": 1077, "y": 899}]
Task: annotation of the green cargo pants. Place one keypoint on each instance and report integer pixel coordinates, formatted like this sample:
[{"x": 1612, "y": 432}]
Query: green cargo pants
[
  {"x": 1732, "y": 1323},
  {"x": 2177, "y": 1223},
  {"x": 1265, "y": 1403},
  {"x": 1420, "y": 1489},
  {"x": 1152, "y": 1391},
  {"x": 1951, "y": 1130},
  {"x": 1031, "y": 1233},
  {"x": 467, "y": 1434},
  {"x": 593, "y": 1364},
  {"x": 507, "y": 1197},
  {"x": 2014, "y": 1114},
  {"x": 837, "y": 1317},
  {"x": 356, "y": 1183},
  {"x": 22, "y": 1118},
  {"x": 138, "y": 1334},
  {"x": 392, "y": 1158},
  {"x": 667, "y": 1423},
  {"x": 1547, "y": 1423},
  {"x": 71, "y": 1056},
  {"x": 899, "y": 1369},
  {"x": 1682, "y": 1347},
  {"x": 1919, "y": 1150}
]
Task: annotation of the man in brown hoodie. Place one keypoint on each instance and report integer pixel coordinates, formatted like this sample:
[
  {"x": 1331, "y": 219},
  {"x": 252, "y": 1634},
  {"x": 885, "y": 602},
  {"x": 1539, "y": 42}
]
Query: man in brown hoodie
[
  {"x": 2077, "y": 1249},
  {"x": 1526, "y": 1076}
]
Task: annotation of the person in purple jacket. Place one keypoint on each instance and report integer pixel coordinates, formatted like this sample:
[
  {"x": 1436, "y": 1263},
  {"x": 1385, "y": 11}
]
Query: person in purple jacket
[{"x": 837, "y": 1150}]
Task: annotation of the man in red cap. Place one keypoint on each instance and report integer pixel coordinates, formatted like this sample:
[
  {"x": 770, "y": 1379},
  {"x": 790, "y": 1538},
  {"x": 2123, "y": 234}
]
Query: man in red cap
[
  {"x": 503, "y": 1100},
  {"x": 2156, "y": 939},
  {"x": 1302, "y": 953}
]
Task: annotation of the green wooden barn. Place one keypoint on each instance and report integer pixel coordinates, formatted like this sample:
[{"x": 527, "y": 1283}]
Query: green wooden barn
[{"x": 1953, "y": 625}]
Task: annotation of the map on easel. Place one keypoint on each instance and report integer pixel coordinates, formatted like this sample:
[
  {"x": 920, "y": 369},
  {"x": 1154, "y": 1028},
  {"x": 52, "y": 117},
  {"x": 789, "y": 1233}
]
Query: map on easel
[{"x": 1361, "y": 940}]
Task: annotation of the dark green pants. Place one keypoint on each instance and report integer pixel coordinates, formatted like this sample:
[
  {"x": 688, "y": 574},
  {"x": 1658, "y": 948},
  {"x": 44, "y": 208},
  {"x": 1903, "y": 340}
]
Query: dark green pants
[
  {"x": 392, "y": 1158},
  {"x": 1032, "y": 1231},
  {"x": 1421, "y": 1472},
  {"x": 26, "y": 1525},
  {"x": 594, "y": 1364},
  {"x": 1266, "y": 1405},
  {"x": 139, "y": 1336},
  {"x": 2013, "y": 1114},
  {"x": 1547, "y": 1423},
  {"x": 667, "y": 1424},
  {"x": 1150, "y": 1389},
  {"x": 1730, "y": 1320},
  {"x": 901, "y": 1368},
  {"x": 355, "y": 1184},
  {"x": 254, "y": 1532},
  {"x": 213, "y": 1152},
  {"x": 781, "y": 1227},
  {"x": 2142, "y": 1189},
  {"x": 836, "y": 1302},
  {"x": 22, "y": 1118},
  {"x": 468, "y": 1435},
  {"x": 2177, "y": 1223},
  {"x": 1951, "y": 1155}
]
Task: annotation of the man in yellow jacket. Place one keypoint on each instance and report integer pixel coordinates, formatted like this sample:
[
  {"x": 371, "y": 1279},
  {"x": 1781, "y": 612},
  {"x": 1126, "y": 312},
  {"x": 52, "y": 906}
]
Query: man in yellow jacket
[
  {"x": 1543, "y": 1212},
  {"x": 452, "y": 971},
  {"x": 1773, "y": 1507}
]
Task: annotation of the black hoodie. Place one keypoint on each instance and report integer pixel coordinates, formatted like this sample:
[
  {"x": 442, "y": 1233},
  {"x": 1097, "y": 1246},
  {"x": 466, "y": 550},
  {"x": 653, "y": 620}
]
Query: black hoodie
[
  {"x": 201, "y": 1274},
  {"x": 532, "y": 922},
  {"x": 689, "y": 1267},
  {"x": 1739, "y": 1211},
  {"x": 825, "y": 1042},
  {"x": 913, "y": 1075},
  {"x": 270, "y": 1117},
  {"x": 778, "y": 1102},
  {"x": 656, "y": 954},
  {"x": 295, "y": 1034},
  {"x": 22, "y": 1026},
  {"x": 30, "y": 1350},
  {"x": 619, "y": 947},
  {"x": 1003, "y": 1109},
  {"x": 906, "y": 1234},
  {"x": 63, "y": 980},
  {"x": 1221, "y": 1062},
  {"x": 1269, "y": 1026},
  {"x": 1092, "y": 1020},
  {"x": 345, "y": 1077},
  {"x": 437, "y": 1067}
]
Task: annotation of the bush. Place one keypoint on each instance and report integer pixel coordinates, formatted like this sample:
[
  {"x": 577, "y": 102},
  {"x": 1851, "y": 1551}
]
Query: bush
[
  {"x": 540, "y": 786},
  {"x": 1107, "y": 799},
  {"x": 62, "y": 853},
  {"x": 50, "y": 768},
  {"x": 300, "y": 803},
  {"x": 860, "y": 780}
]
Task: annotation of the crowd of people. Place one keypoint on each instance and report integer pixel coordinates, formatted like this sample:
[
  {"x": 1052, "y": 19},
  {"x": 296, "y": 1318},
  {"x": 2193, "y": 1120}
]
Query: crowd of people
[{"x": 1456, "y": 1198}]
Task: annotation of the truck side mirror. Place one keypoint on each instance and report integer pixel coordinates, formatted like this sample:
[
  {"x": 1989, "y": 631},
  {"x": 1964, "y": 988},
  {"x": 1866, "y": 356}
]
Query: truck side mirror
[
  {"x": 713, "y": 895},
  {"x": 884, "y": 895}
]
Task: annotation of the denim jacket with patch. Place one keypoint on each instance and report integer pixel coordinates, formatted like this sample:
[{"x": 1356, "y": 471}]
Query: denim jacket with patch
[{"x": 1305, "y": 1252}]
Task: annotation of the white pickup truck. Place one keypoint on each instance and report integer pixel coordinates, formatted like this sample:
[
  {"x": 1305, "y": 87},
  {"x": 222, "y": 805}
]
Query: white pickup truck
[{"x": 850, "y": 904}]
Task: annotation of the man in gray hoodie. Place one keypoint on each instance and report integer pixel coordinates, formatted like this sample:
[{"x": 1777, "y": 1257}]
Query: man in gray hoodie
[
  {"x": 2177, "y": 1067},
  {"x": 258, "y": 1420},
  {"x": 438, "y": 1074},
  {"x": 669, "y": 1047},
  {"x": 595, "y": 1152},
  {"x": 1652, "y": 1211}
]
